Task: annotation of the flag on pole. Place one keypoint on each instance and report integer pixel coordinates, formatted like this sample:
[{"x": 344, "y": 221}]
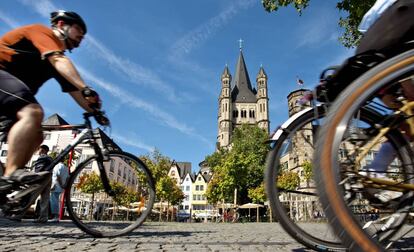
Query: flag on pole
[{"x": 299, "y": 81}]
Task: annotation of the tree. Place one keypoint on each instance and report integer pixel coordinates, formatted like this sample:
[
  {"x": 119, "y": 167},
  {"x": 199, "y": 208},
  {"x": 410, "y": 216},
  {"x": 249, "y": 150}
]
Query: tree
[
  {"x": 241, "y": 167},
  {"x": 307, "y": 170},
  {"x": 158, "y": 164},
  {"x": 257, "y": 194},
  {"x": 355, "y": 10},
  {"x": 90, "y": 183},
  {"x": 167, "y": 190},
  {"x": 288, "y": 180},
  {"x": 165, "y": 187}
]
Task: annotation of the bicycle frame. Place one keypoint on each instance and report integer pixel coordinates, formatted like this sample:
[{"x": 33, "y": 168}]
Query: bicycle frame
[
  {"x": 406, "y": 109},
  {"x": 85, "y": 135}
]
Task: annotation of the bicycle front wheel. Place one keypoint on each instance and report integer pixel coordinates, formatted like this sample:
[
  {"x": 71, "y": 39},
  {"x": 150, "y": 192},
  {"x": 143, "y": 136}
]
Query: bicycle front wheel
[
  {"x": 365, "y": 201},
  {"x": 95, "y": 211}
]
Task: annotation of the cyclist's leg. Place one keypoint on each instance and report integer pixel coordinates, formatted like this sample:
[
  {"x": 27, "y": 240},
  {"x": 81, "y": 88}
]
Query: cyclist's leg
[
  {"x": 19, "y": 105},
  {"x": 24, "y": 137}
]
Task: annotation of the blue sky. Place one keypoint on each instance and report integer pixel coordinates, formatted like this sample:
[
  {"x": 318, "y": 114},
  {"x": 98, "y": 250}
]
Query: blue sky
[{"x": 157, "y": 64}]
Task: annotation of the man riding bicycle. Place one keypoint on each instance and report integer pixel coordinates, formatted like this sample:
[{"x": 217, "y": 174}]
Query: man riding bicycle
[
  {"x": 388, "y": 30},
  {"x": 29, "y": 56}
]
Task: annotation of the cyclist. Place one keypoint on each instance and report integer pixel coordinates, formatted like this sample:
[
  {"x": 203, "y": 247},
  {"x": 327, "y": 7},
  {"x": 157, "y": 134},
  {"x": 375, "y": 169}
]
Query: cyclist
[
  {"x": 29, "y": 56},
  {"x": 388, "y": 30}
]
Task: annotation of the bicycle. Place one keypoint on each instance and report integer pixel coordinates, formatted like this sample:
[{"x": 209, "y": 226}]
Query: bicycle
[
  {"x": 98, "y": 200},
  {"x": 300, "y": 130},
  {"x": 343, "y": 142}
]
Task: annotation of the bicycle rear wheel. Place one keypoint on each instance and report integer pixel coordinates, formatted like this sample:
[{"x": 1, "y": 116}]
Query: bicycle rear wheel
[
  {"x": 347, "y": 184},
  {"x": 102, "y": 215},
  {"x": 293, "y": 200},
  {"x": 296, "y": 204}
]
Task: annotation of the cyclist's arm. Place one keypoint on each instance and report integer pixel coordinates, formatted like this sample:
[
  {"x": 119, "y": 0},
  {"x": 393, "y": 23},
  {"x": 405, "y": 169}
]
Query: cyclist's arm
[{"x": 66, "y": 69}]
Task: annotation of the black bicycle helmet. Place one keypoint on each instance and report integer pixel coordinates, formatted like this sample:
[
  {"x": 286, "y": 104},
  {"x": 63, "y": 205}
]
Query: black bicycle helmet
[{"x": 68, "y": 16}]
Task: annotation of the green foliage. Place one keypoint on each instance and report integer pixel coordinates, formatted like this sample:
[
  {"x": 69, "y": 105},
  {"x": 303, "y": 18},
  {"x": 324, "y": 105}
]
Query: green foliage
[
  {"x": 123, "y": 195},
  {"x": 239, "y": 168},
  {"x": 274, "y": 5},
  {"x": 165, "y": 187},
  {"x": 158, "y": 164},
  {"x": 167, "y": 190},
  {"x": 307, "y": 170},
  {"x": 355, "y": 10},
  {"x": 288, "y": 180},
  {"x": 90, "y": 183},
  {"x": 257, "y": 194}
]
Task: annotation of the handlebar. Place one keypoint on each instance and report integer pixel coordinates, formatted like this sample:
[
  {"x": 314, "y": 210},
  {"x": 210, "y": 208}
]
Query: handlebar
[{"x": 99, "y": 116}]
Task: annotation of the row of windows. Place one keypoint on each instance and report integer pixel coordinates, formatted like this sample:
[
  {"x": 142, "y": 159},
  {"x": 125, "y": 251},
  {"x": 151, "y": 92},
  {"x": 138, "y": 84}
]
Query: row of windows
[
  {"x": 243, "y": 113},
  {"x": 199, "y": 207},
  {"x": 199, "y": 187},
  {"x": 199, "y": 197},
  {"x": 262, "y": 108},
  {"x": 186, "y": 207},
  {"x": 187, "y": 188}
]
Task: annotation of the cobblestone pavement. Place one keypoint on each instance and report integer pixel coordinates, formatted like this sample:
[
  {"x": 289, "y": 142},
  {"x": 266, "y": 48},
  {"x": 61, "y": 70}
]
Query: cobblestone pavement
[{"x": 153, "y": 236}]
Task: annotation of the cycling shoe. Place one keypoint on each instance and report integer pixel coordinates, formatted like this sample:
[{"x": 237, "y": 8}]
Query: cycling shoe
[
  {"x": 18, "y": 191},
  {"x": 21, "y": 176}
]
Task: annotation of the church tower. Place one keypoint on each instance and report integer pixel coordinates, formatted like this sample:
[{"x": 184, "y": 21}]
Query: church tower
[
  {"x": 225, "y": 114},
  {"x": 262, "y": 100},
  {"x": 241, "y": 103}
]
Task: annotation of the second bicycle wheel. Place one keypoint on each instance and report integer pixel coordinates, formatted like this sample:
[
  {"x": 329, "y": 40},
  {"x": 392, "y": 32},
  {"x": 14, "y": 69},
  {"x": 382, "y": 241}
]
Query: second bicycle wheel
[
  {"x": 289, "y": 186},
  {"x": 101, "y": 215},
  {"x": 353, "y": 184}
]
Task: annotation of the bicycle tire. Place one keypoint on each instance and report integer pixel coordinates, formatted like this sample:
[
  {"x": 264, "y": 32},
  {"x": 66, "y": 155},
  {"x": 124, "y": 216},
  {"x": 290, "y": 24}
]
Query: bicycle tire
[
  {"x": 345, "y": 224},
  {"x": 326, "y": 241},
  {"x": 110, "y": 216},
  {"x": 272, "y": 172}
]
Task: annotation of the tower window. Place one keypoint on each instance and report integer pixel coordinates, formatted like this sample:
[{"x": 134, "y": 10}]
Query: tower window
[{"x": 251, "y": 113}]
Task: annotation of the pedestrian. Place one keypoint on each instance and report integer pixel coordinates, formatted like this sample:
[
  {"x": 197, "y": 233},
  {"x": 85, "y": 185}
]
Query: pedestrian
[
  {"x": 59, "y": 179},
  {"x": 41, "y": 165}
]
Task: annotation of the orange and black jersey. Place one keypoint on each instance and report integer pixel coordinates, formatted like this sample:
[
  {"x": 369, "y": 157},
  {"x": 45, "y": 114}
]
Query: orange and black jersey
[{"x": 24, "y": 52}]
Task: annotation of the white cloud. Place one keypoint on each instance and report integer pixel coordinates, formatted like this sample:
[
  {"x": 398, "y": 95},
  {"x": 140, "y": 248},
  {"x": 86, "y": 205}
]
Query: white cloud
[
  {"x": 133, "y": 141},
  {"x": 133, "y": 70},
  {"x": 136, "y": 73},
  {"x": 8, "y": 20},
  {"x": 197, "y": 36},
  {"x": 132, "y": 101},
  {"x": 318, "y": 29}
]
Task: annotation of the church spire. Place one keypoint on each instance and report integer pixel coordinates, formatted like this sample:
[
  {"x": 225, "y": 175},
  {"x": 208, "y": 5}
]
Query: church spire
[{"x": 242, "y": 88}]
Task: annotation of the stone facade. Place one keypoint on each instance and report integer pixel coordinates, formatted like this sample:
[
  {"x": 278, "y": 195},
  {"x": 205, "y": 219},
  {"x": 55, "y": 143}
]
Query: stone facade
[{"x": 240, "y": 103}]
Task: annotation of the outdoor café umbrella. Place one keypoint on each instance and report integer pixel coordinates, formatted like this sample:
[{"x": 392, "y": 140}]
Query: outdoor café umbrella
[{"x": 252, "y": 205}]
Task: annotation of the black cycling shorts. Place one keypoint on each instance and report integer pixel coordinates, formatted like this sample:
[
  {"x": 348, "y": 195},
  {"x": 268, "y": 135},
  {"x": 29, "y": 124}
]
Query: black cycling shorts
[{"x": 14, "y": 95}]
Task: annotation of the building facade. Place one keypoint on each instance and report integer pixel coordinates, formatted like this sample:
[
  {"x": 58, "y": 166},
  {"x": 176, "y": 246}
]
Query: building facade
[{"x": 240, "y": 102}]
